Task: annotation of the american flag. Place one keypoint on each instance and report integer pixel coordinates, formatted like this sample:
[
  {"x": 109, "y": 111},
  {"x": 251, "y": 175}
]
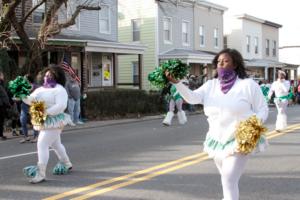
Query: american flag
[{"x": 68, "y": 68}]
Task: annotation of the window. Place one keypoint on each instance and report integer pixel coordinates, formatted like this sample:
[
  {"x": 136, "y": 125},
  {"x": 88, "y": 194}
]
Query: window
[
  {"x": 225, "y": 42},
  {"x": 248, "y": 42},
  {"x": 216, "y": 38},
  {"x": 256, "y": 45},
  {"x": 167, "y": 30},
  {"x": 104, "y": 19},
  {"x": 274, "y": 48},
  {"x": 136, "y": 29},
  {"x": 38, "y": 14},
  {"x": 267, "y": 47},
  {"x": 135, "y": 72},
  {"x": 185, "y": 33},
  {"x": 71, "y": 7},
  {"x": 201, "y": 36}
]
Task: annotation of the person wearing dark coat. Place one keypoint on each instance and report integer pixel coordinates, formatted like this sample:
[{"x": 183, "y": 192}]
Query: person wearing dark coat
[{"x": 4, "y": 104}]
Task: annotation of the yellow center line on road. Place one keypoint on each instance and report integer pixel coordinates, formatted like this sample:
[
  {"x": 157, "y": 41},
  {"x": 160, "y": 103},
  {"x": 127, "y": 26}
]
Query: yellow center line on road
[
  {"x": 148, "y": 173},
  {"x": 288, "y": 128},
  {"x": 140, "y": 179},
  {"x": 95, "y": 185},
  {"x": 285, "y": 131}
]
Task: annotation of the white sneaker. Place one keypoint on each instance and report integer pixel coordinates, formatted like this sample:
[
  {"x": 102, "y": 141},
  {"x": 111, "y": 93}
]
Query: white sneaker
[
  {"x": 40, "y": 175},
  {"x": 168, "y": 119},
  {"x": 69, "y": 165},
  {"x": 79, "y": 122},
  {"x": 37, "y": 179}
]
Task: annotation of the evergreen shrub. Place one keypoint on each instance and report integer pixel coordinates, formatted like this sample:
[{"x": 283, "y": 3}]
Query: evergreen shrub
[{"x": 119, "y": 103}]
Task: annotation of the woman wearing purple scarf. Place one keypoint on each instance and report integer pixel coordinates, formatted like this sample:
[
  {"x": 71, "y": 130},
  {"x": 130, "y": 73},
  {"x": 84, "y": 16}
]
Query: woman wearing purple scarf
[
  {"x": 55, "y": 98},
  {"x": 229, "y": 98}
]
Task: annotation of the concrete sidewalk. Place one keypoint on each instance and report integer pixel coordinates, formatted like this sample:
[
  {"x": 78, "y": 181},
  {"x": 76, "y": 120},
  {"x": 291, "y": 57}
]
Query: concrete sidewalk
[
  {"x": 101, "y": 123},
  {"x": 95, "y": 124}
]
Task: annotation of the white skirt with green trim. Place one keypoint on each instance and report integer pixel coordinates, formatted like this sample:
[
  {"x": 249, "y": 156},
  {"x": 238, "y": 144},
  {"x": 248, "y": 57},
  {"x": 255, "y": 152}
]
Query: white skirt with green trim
[
  {"x": 54, "y": 122},
  {"x": 215, "y": 148}
]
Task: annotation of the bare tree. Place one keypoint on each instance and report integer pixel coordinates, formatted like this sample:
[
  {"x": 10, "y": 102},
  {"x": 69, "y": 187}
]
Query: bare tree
[{"x": 50, "y": 26}]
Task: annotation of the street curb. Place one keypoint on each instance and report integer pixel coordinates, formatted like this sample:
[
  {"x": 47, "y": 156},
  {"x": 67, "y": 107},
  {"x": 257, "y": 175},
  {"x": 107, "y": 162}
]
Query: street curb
[
  {"x": 105, "y": 123},
  {"x": 95, "y": 124}
]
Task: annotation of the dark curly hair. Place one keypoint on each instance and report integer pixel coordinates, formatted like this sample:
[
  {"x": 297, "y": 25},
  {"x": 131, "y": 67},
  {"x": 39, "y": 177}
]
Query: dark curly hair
[
  {"x": 237, "y": 60},
  {"x": 57, "y": 73}
]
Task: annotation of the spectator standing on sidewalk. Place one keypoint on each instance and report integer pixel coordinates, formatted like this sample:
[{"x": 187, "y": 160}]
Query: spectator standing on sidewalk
[
  {"x": 25, "y": 115},
  {"x": 298, "y": 93},
  {"x": 4, "y": 103},
  {"x": 14, "y": 115},
  {"x": 164, "y": 96},
  {"x": 74, "y": 94}
]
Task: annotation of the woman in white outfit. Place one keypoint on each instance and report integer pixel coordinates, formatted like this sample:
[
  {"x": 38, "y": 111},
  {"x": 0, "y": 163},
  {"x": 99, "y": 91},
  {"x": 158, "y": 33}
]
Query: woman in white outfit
[
  {"x": 55, "y": 97},
  {"x": 281, "y": 87},
  {"x": 227, "y": 99},
  {"x": 175, "y": 101}
]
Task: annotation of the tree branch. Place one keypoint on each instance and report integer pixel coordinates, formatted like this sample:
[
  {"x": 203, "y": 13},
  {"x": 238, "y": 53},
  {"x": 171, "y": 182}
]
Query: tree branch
[
  {"x": 10, "y": 9},
  {"x": 20, "y": 31},
  {"x": 50, "y": 25},
  {"x": 72, "y": 20},
  {"x": 32, "y": 10}
]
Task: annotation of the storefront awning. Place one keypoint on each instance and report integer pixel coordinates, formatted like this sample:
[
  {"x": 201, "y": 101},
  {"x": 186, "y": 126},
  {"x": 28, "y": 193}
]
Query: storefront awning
[
  {"x": 188, "y": 56},
  {"x": 263, "y": 63},
  {"x": 94, "y": 44},
  {"x": 291, "y": 66},
  {"x": 114, "y": 47}
]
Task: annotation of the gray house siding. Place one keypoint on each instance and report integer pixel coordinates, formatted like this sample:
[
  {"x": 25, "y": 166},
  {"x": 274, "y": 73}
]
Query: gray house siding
[
  {"x": 177, "y": 14},
  {"x": 89, "y": 23},
  {"x": 210, "y": 19},
  {"x": 271, "y": 34}
]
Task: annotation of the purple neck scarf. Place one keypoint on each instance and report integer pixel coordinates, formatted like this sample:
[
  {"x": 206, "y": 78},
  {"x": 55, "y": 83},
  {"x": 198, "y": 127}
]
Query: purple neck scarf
[
  {"x": 49, "y": 83},
  {"x": 227, "y": 78}
]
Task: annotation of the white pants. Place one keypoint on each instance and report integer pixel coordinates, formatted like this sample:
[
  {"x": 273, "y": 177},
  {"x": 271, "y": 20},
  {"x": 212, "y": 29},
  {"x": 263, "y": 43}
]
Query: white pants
[
  {"x": 47, "y": 139},
  {"x": 281, "y": 120},
  {"x": 178, "y": 103},
  {"x": 231, "y": 169}
]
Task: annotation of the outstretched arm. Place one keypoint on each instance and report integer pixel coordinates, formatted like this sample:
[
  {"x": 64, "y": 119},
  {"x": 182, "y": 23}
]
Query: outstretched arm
[{"x": 192, "y": 97}]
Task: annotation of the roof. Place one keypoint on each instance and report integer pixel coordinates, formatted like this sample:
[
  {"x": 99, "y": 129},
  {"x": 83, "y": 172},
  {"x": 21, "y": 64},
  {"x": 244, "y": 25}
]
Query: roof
[
  {"x": 212, "y": 5},
  {"x": 190, "y": 56},
  {"x": 291, "y": 66},
  {"x": 78, "y": 37},
  {"x": 96, "y": 44},
  {"x": 255, "y": 19},
  {"x": 263, "y": 63}
]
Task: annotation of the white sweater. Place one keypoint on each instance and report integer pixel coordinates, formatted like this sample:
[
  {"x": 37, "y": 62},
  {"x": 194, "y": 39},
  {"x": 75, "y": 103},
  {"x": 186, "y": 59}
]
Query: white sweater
[
  {"x": 225, "y": 111},
  {"x": 281, "y": 88},
  {"x": 56, "y": 99}
]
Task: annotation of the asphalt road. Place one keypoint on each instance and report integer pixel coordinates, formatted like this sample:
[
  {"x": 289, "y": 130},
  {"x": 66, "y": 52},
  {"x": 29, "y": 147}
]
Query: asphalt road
[{"x": 143, "y": 160}]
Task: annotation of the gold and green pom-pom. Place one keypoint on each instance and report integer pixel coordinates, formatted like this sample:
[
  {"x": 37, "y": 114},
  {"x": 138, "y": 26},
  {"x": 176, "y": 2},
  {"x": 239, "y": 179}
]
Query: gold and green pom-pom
[
  {"x": 248, "y": 133},
  {"x": 38, "y": 113},
  {"x": 176, "y": 68},
  {"x": 20, "y": 87}
]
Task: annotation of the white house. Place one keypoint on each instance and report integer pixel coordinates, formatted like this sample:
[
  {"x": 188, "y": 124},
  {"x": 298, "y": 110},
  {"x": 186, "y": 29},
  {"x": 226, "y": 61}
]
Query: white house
[{"x": 257, "y": 40}]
